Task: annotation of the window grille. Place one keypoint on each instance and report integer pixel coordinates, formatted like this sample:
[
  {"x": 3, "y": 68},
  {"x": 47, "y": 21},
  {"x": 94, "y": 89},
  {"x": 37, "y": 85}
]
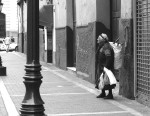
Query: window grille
[{"x": 143, "y": 46}]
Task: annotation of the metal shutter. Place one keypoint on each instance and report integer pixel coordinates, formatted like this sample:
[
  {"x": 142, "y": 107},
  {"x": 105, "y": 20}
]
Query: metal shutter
[{"x": 143, "y": 50}]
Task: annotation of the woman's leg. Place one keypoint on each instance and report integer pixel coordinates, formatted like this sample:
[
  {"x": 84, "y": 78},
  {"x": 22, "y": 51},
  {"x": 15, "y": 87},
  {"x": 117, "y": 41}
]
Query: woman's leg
[
  {"x": 102, "y": 95},
  {"x": 110, "y": 94}
]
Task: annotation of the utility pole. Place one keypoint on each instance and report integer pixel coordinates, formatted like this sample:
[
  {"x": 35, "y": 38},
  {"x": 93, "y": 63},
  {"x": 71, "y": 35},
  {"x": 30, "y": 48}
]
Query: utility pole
[{"x": 32, "y": 104}]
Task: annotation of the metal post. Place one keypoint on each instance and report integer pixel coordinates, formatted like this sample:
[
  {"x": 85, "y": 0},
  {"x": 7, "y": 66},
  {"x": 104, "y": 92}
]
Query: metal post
[
  {"x": 2, "y": 34},
  {"x": 0, "y": 61},
  {"x": 32, "y": 104},
  {"x": 74, "y": 31},
  {"x": 2, "y": 68},
  {"x": 135, "y": 47}
]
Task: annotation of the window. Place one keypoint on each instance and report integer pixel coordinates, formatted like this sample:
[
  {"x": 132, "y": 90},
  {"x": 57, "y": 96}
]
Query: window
[{"x": 49, "y": 1}]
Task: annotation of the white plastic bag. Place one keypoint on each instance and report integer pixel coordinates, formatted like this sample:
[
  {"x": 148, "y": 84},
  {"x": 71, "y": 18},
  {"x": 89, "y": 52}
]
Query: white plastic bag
[
  {"x": 111, "y": 76},
  {"x": 117, "y": 55},
  {"x": 106, "y": 79},
  {"x": 101, "y": 82}
]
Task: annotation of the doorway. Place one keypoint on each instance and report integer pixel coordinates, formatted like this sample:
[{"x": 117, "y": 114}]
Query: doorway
[
  {"x": 71, "y": 34},
  {"x": 115, "y": 16}
]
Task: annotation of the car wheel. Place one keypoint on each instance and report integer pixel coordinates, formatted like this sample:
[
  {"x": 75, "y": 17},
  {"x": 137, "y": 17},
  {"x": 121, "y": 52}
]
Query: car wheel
[{"x": 16, "y": 48}]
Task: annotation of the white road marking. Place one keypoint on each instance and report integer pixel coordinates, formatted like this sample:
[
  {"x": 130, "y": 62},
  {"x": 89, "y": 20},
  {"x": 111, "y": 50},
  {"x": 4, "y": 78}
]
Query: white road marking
[
  {"x": 59, "y": 86},
  {"x": 23, "y": 83},
  {"x": 44, "y": 68},
  {"x": 18, "y": 55},
  {"x": 10, "y": 107},
  {"x": 89, "y": 113},
  {"x": 132, "y": 111},
  {"x": 47, "y": 69},
  {"x": 54, "y": 94}
]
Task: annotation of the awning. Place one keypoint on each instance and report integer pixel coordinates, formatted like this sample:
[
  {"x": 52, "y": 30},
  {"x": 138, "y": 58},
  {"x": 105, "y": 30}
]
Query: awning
[{"x": 46, "y": 16}]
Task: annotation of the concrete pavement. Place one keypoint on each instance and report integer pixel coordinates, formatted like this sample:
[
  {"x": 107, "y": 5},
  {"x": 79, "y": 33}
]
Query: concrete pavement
[{"x": 64, "y": 94}]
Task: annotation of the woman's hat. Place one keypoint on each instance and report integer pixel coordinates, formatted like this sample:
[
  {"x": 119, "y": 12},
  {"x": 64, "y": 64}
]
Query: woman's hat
[{"x": 104, "y": 36}]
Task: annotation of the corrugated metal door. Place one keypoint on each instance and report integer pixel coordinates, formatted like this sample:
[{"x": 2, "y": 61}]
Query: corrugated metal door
[{"x": 143, "y": 51}]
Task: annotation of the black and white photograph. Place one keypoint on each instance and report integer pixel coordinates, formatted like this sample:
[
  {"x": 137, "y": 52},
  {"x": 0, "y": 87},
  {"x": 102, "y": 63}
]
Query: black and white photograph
[{"x": 74, "y": 57}]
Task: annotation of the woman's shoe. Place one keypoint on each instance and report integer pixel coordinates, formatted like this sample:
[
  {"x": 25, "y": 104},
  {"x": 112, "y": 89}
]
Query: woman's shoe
[
  {"x": 109, "y": 96},
  {"x": 102, "y": 95}
]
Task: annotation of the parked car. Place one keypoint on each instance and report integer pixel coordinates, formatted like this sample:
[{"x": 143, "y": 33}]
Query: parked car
[
  {"x": 12, "y": 47},
  {"x": 2, "y": 44}
]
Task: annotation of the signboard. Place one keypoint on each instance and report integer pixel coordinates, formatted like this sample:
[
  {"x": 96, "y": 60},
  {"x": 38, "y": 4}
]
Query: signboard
[{"x": 2, "y": 26}]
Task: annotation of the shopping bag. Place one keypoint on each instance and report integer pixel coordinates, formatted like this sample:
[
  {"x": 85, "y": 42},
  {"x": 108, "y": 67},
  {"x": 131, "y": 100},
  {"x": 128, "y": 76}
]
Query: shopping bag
[
  {"x": 101, "y": 82},
  {"x": 111, "y": 76},
  {"x": 106, "y": 79},
  {"x": 117, "y": 54}
]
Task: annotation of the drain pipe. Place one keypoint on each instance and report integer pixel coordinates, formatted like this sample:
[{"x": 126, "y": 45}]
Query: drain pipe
[
  {"x": 135, "y": 47},
  {"x": 74, "y": 30}
]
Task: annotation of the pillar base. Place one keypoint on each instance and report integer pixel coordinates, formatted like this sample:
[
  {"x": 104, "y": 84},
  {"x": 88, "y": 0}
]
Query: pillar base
[{"x": 2, "y": 71}]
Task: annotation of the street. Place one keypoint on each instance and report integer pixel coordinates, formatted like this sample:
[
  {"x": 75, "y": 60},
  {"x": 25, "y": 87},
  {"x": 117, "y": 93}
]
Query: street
[{"x": 64, "y": 94}]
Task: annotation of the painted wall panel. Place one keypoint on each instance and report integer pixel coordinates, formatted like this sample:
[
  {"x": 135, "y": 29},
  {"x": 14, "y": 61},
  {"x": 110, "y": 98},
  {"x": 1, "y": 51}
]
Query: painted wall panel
[
  {"x": 60, "y": 6},
  {"x": 85, "y": 11},
  {"x": 42, "y": 2},
  {"x": 103, "y": 12},
  {"x": 126, "y": 73},
  {"x": 19, "y": 19},
  {"x": 10, "y": 9},
  {"x": 25, "y": 17},
  {"x": 126, "y": 9}
]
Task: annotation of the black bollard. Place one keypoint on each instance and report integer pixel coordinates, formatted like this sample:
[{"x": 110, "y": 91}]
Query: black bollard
[{"x": 2, "y": 68}]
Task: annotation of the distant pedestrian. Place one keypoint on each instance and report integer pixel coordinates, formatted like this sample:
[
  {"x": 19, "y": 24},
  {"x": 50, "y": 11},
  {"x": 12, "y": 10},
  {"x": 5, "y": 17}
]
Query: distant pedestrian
[
  {"x": 7, "y": 43},
  {"x": 105, "y": 58}
]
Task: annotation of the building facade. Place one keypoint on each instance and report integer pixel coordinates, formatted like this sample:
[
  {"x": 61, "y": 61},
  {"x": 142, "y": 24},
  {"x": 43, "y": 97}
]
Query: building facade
[
  {"x": 45, "y": 28},
  {"x": 2, "y": 25},
  {"x": 75, "y": 28},
  {"x": 10, "y": 9}
]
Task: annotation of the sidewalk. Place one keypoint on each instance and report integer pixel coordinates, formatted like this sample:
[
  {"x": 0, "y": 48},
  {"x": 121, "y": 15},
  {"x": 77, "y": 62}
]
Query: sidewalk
[
  {"x": 3, "y": 111},
  {"x": 64, "y": 94}
]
